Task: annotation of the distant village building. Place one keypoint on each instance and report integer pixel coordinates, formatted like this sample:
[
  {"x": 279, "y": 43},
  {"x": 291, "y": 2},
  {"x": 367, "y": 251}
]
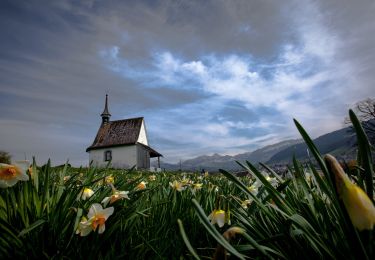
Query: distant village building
[{"x": 123, "y": 142}]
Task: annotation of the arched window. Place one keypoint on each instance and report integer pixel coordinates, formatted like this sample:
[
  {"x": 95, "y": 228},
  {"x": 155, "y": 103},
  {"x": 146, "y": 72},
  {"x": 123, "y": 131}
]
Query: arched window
[{"x": 107, "y": 155}]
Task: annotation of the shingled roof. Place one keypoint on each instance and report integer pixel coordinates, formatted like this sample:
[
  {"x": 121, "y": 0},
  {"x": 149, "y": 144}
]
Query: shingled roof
[{"x": 116, "y": 133}]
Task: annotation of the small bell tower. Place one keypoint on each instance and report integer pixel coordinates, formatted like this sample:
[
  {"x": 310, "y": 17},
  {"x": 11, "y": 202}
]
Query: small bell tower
[{"x": 105, "y": 115}]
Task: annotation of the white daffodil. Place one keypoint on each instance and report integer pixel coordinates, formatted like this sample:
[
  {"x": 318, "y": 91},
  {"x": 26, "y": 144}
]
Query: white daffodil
[
  {"x": 245, "y": 203},
  {"x": 97, "y": 217},
  {"x": 10, "y": 174},
  {"x": 117, "y": 195},
  {"x": 271, "y": 180},
  {"x": 217, "y": 216},
  {"x": 253, "y": 188},
  {"x": 178, "y": 186},
  {"x": 84, "y": 227},
  {"x": 86, "y": 193},
  {"x": 141, "y": 185}
]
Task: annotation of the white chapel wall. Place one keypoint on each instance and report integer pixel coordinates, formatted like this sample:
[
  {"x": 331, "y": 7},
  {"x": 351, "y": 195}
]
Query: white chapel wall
[
  {"x": 142, "y": 138},
  {"x": 122, "y": 157}
]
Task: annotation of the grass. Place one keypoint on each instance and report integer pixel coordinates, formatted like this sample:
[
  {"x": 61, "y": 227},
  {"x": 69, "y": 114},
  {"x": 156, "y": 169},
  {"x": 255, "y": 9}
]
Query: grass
[{"x": 281, "y": 218}]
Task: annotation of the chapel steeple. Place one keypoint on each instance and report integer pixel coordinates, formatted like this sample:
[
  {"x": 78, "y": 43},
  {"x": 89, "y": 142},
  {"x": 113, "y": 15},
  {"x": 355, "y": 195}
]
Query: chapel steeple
[{"x": 105, "y": 115}]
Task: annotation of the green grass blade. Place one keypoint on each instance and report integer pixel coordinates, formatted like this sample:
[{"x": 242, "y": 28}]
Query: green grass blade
[
  {"x": 314, "y": 150},
  {"x": 364, "y": 149},
  {"x": 31, "y": 227},
  {"x": 186, "y": 240},
  {"x": 212, "y": 230}
]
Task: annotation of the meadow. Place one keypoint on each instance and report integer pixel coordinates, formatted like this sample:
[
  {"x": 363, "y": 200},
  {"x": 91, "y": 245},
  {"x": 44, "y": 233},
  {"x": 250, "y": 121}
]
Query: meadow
[{"x": 320, "y": 209}]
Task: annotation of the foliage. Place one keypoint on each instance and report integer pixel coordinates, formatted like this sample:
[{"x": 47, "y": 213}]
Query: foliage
[
  {"x": 305, "y": 213},
  {"x": 190, "y": 216},
  {"x": 5, "y": 157}
]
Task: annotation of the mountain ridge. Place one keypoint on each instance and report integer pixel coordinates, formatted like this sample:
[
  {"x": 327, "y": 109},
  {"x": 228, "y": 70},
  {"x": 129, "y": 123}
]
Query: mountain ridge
[{"x": 340, "y": 143}]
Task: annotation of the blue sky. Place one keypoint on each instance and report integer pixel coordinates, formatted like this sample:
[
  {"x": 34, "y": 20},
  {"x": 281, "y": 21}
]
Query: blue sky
[{"x": 208, "y": 76}]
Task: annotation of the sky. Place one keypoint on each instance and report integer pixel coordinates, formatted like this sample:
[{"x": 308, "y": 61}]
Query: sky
[{"x": 209, "y": 76}]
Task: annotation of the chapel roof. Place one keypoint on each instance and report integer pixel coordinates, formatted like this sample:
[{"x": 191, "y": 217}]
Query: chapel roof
[{"x": 117, "y": 133}]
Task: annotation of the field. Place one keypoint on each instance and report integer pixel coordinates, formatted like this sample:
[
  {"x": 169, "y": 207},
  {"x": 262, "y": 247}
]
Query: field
[{"x": 314, "y": 211}]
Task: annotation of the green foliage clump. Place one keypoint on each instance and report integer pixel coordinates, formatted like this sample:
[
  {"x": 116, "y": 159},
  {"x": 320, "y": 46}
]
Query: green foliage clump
[
  {"x": 5, "y": 157},
  {"x": 184, "y": 215}
]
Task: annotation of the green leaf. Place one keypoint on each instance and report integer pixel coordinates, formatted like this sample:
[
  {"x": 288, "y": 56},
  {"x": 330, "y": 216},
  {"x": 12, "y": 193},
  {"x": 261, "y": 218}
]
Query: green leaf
[
  {"x": 364, "y": 149},
  {"x": 212, "y": 230},
  {"x": 31, "y": 227},
  {"x": 186, "y": 239}
]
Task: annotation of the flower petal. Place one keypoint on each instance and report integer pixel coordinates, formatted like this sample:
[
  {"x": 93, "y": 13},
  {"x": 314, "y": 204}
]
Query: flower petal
[
  {"x": 94, "y": 209},
  {"x": 101, "y": 228},
  {"x": 107, "y": 212}
]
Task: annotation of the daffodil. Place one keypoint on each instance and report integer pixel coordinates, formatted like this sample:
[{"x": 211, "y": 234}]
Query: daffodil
[
  {"x": 85, "y": 194},
  {"x": 245, "y": 204},
  {"x": 152, "y": 177},
  {"x": 178, "y": 186},
  {"x": 360, "y": 208},
  {"x": 218, "y": 217},
  {"x": 84, "y": 227},
  {"x": 197, "y": 186},
  {"x": 186, "y": 181},
  {"x": 253, "y": 188},
  {"x": 271, "y": 180},
  {"x": 97, "y": 217},
  {"x": 117, "y": 195},
  {"x": 109, "y": 179},
  {"x": 10, "y": 174},
  {"x": 141, "y": 185},
  {"x": 66, "y": 178}
]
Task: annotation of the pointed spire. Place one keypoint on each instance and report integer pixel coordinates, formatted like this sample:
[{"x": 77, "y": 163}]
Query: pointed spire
[{"x": 105, "y": 115}]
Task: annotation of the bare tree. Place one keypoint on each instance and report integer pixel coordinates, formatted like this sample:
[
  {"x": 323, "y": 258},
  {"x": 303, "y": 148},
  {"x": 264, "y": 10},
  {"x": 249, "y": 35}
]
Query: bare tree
[{"x": 365, "y": 111}]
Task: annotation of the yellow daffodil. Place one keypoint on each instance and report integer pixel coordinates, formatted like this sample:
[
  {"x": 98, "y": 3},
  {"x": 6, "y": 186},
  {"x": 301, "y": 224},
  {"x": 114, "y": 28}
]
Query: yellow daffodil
[
  {"x": 152, "y": 177},
  {"x": 86, "y": 193},
  {"x": 117, "y": 195},
  {"x": 10, "y": 174},
  {"x": 360, "y": 208},
  {"x": 218, "y": 217},
  {"x": 197, "y": 186},
  {"x": 109, "y": 179},
  {"x": 97, "y": 217},
  {"x": 141, "y": 185},
  {"x": 178, "y": 186},
  {"x": 186, "y": 181}
]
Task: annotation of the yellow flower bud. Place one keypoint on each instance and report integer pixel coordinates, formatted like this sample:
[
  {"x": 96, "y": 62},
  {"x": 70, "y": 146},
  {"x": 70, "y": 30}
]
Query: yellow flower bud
[{"x": 360, "y": 208}]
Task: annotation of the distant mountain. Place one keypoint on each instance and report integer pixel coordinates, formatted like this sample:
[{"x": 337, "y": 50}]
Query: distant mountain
[
  {"x": 216, "y": 161},
  {"x": 266, "y": 153},
  {"x": 340, "y": 143}
]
